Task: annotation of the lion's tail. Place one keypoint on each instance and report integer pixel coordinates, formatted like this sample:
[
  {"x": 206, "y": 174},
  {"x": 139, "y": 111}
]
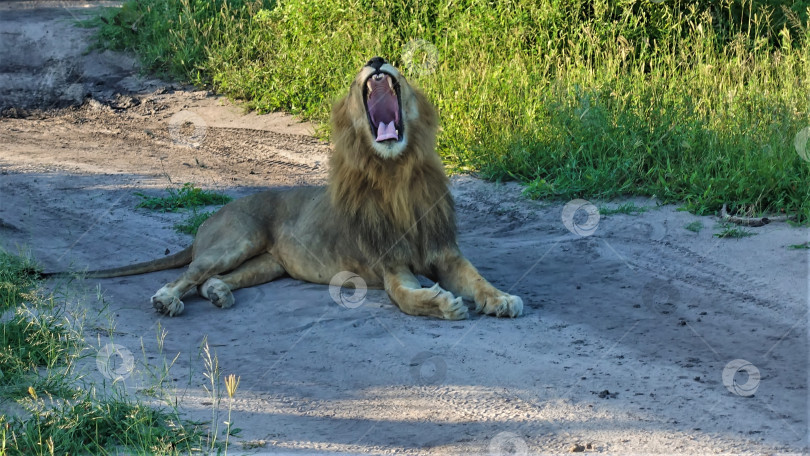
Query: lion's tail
[{"x": 176, "y": 260}]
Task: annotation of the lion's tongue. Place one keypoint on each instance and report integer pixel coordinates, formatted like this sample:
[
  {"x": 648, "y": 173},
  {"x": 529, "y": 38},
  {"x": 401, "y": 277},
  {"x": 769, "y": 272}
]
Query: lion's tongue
[
  {"x": 383, "y": 109},
  {"x": 387, "y": 131}
]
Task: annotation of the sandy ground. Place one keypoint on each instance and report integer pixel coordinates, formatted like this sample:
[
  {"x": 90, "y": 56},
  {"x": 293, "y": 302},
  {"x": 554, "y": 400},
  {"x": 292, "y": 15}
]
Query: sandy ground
[{"x": 639, "y": 336}]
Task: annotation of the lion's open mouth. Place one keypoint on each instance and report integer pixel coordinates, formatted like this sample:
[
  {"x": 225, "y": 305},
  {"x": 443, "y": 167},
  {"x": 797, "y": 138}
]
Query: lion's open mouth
[{"x": 381, "y": 95}]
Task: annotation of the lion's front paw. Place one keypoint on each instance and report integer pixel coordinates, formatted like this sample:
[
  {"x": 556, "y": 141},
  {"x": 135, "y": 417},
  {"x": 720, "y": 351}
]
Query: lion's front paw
[
  {"x": 501, "y": 305},
  {"x": 452, "y": 307},
  {"x": 167, "y": 303},
  {"x": 218, "y": 292}
]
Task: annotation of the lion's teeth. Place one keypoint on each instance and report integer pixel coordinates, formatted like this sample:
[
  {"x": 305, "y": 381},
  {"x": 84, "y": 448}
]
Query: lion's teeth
[
  {"x": 370, "y": 87},
  {"x": 390, "y": 84}
]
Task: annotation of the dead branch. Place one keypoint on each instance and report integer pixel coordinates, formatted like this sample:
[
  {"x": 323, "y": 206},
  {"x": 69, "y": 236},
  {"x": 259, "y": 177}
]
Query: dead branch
[{"x": 750, "y": 221}]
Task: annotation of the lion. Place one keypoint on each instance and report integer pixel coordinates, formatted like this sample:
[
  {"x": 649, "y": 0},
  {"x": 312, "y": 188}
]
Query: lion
[{"x": 386, "y": 214}]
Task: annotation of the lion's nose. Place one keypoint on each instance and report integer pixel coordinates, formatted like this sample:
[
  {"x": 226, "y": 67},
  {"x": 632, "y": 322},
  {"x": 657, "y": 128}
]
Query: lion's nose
[{"x": 376, "y": 63}]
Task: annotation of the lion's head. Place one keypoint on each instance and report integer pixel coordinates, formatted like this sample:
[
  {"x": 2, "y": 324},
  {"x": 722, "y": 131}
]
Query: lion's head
[
  {"x": 385, "y": 174},
  {"x": 384, "y": 113}
]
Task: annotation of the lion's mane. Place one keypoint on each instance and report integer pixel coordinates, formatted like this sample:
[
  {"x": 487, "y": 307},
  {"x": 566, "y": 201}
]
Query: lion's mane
[{"x": 400, "y": 209}]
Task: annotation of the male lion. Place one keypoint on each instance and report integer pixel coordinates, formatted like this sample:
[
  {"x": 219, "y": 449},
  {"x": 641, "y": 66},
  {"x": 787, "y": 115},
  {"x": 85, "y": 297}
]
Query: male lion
[{"x": 386, "y": 215}]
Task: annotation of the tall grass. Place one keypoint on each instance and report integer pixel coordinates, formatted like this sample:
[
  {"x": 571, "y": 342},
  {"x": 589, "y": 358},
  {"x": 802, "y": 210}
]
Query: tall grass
[
  {"x": 17, "y": 279},
  {"x": 56, "y": 410},
  {"x": 690, "y": 101}
]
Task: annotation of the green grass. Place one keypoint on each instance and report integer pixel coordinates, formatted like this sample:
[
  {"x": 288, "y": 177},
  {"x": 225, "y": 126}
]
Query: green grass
[
  {"x": 803, "y": 246},
  {"x": 17, "y": 278},
  {"x": 41, "y": 345},
  {"x": 729, "y": 230},
  {"x": 696, "y": 102},
  {"x": 186, "y": 197},
  {"x": 88, "y": 426},
  {"x": 695, "y": 226},
  {"x": 193, "y": 222},
  {"x": 29, "y": 340},
  {"x": 626, "y": 208}
]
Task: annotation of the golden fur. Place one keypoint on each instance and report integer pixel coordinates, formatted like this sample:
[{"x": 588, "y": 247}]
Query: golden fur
[
  {"x": 401, "y": 208},
  {"x": 385, "y": 216}
]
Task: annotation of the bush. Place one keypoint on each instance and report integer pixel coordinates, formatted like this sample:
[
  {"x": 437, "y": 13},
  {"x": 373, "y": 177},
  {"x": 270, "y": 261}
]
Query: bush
[{"x": 695, "y": 101}]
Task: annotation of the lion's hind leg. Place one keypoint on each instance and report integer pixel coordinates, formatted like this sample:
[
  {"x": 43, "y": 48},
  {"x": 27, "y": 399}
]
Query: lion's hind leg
[
  {"x": 255, "y": 271},
  {"x": 406, "y": 292},
  {"x": 214, "y": 261},
  {"x": 216, "y": 291}
]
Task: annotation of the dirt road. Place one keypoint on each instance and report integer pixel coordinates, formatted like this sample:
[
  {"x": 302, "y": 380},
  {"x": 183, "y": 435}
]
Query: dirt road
[{"x": 639, "y": 336}]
